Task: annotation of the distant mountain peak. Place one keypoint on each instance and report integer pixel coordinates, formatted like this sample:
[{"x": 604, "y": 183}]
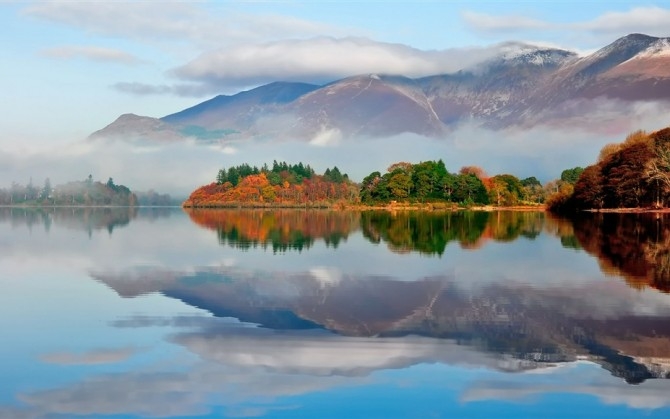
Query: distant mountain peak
[
  {"x": 637, "y": 37},
  {"x": 522, "y": 85},
  {"x": 515, "y": 54}
]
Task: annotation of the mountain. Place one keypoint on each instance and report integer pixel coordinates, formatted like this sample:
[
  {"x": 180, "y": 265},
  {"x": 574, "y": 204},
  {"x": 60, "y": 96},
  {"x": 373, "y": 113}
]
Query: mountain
[{"x": 523, "y": 85}]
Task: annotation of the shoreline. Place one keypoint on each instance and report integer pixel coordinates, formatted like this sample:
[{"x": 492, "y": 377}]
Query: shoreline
[
  {"x": 445, "y": 207},
  {"x": 629, "y": 210}
]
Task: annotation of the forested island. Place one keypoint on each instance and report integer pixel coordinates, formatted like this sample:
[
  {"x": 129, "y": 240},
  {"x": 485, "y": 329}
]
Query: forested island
[
  {"x": 282, "y": 184},
  {"x": 287, "y": 185},
  {"x": 84, "y": 193}
]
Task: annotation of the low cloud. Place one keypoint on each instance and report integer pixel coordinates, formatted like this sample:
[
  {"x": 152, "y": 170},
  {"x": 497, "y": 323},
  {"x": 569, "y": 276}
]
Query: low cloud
[
  {"x": 319, "y": 60},
  {"x": 326, "y": 137},
  {"x": 179, "y": 166},
  {"x": 100, "y": 54}
]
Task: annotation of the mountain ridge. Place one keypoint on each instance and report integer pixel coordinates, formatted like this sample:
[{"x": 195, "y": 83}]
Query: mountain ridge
[{"x": 523, "y": 85}]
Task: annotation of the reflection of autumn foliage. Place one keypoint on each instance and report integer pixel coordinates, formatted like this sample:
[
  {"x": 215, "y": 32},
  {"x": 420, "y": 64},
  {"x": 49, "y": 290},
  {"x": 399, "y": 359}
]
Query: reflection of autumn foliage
[
  {"x": 636, "y": 246},
  {"x": 282, "y": 229},
  {"x": 563, "y": 229},
  {"x": 430, "y": 232},
  {"x": 257, "y": 189}
]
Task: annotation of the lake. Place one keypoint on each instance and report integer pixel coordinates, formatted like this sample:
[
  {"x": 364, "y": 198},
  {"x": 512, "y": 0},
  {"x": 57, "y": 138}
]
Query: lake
[{"x": 129, "y": 313}]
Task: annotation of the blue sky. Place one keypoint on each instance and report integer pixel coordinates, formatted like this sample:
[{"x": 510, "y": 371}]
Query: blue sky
[{"x": 71, "y": 67}]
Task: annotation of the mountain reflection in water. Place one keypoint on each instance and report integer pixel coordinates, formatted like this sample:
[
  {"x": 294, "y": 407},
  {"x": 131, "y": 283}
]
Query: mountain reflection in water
[{"x": 606, "y": 322}]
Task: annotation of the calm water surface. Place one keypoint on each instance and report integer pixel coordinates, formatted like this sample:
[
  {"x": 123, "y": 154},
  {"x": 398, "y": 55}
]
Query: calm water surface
[{"x": 160, "y": 313}]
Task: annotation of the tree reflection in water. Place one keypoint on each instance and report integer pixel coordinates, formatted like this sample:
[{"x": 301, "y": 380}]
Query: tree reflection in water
[
  {"x": 634, "y": 246},
  {"x": 282, "y": 230}
]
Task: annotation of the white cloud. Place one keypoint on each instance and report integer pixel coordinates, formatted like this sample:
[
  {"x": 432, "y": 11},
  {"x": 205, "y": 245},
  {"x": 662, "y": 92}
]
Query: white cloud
[
  {"x": 100, "y": 54},
  {"x": 650, "y": 20},
  {"x": 206, "y": 26},
  {"x": 326, "y": 137},
  {"x": 647, "y": 20},
  {"x": 321, "y": 60}
]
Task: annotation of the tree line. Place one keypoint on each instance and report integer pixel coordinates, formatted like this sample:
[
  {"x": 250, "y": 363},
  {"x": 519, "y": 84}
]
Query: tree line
[
  {"x": 430, "y": 181},
  {"x": 281, "y": 184},
  {"x": 279, "y": 173},
  {"x": 425, "y": 182},
  {"x": 632, "y": 174},
  {"x": 86, "y": 193}
]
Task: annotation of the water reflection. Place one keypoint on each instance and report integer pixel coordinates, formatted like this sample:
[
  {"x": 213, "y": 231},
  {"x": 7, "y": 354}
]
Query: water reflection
[
  {"x": 78, "y": 218},
  {"x": 515, "y": 321},
  {"x": 633, "y": 246},
  {"x": 523, "y": 322},
  {"x": 410, "y": 231},
  {"x": 343, "y": 327},
  {"x": 429, "y": 233},
  {"x": 281, "y": 230}
]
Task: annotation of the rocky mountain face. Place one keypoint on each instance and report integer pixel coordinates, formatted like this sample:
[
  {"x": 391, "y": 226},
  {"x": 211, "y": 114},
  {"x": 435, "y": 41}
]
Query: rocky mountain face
[{"x": 523, "y": 86}]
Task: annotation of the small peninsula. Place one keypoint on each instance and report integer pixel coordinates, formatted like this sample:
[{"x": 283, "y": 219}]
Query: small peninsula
[{"x": 630, "y": 176}]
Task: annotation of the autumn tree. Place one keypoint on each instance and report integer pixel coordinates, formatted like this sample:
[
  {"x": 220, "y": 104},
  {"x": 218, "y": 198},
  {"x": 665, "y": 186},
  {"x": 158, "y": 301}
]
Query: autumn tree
[
  {"x": 506, "y": 190},
  {"x": 634, "y": 173},
  {"x": 532, "y": 190},
  {"x": 657, "y": 169}
]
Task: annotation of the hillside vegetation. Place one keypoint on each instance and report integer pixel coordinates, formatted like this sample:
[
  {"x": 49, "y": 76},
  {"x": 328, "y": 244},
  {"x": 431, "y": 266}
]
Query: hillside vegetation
[{"x": 631, "y": 174}]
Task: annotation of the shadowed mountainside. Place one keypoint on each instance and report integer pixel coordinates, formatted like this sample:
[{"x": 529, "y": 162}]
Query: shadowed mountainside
[{"x": 524, "y": 85}]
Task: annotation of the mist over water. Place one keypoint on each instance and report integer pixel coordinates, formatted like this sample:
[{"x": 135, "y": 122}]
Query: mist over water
[{"x": 178, "y": 168}]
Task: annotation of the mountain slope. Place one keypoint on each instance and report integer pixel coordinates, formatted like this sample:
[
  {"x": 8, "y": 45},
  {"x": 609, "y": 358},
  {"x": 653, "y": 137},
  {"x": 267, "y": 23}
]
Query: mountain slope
[
  {"x": 240, "y": 110},
  {"x": 370, "y": 105},
  {"x": 523, "y": 85}
]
